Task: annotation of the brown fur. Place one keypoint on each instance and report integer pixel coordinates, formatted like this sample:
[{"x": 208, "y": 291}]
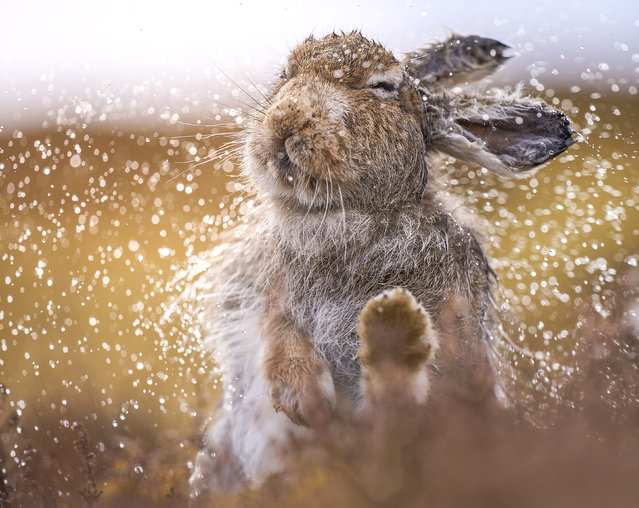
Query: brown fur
[
  {"x": 346, "y": 132},
  {"x": 338, "y": 157},
  {"x": 292, "y": 368}
]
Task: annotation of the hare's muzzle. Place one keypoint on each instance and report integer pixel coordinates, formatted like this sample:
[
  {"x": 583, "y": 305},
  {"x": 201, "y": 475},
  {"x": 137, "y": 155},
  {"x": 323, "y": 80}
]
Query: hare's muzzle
[{"x": 304, "y": 129}]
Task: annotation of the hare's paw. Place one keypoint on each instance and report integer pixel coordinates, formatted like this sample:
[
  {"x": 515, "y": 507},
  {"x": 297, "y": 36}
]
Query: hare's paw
[
  {"x": 302, "y": 388},
  {"x": 395, "y": 328}
]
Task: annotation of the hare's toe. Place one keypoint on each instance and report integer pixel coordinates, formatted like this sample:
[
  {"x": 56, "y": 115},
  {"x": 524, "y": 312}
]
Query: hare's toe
[
  {"x": 395, "y": 329},
  {"x": 303, "y": 389}
]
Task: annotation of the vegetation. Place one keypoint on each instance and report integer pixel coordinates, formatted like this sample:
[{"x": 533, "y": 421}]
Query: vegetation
[{"x": 459, "y": 452}]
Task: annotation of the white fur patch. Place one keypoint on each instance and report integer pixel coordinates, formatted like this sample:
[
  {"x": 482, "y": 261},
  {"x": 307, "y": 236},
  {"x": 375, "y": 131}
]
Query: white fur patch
[
  {"x": 420, "y": 386},
  {"x": 327, "y": 388}
]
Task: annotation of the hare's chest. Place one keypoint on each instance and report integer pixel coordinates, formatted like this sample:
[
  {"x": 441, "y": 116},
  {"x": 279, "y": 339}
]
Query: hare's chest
[{"x": 325, "y": 304}]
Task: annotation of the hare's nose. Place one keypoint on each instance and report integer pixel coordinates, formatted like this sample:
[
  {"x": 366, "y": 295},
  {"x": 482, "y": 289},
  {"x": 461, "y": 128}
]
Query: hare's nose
[{"x": 290, "y": 116}]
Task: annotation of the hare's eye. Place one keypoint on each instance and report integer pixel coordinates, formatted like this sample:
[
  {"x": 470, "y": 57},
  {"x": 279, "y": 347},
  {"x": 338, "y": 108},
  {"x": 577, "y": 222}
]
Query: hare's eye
[
  {"x": 385, "y": 85},
  {"x": 282, "y": 74}
]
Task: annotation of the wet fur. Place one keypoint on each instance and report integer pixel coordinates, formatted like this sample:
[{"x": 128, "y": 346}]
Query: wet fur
[{"x": 347, "y": 209}]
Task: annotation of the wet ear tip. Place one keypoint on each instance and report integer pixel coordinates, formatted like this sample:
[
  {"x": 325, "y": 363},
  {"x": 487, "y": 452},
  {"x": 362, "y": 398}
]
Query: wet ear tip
[
  {"x": 580, "y": 137},
  {"x": 570, "y": 141},
  {"x": 506, "y": 52},
  {"x": 498, "y": 45}
]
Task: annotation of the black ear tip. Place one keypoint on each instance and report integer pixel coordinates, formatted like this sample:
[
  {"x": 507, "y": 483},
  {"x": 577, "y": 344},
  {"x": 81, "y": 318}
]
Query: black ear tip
[
  {"x": 498, "y": 45},
  {"x": 487, "y": 43},
  {"x": 494, "y": 49},
  {"x": 569, "y": 132}
]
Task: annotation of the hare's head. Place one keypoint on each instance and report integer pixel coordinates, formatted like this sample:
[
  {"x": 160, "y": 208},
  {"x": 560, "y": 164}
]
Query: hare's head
[{"x": 349, "y": 125}]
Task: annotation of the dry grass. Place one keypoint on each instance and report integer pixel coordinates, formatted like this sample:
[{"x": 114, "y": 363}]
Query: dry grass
[{"x": 458, "y": 451}]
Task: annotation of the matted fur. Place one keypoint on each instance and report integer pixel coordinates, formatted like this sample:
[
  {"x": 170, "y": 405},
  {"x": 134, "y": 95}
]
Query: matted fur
[{"x": 339, "y": 161}]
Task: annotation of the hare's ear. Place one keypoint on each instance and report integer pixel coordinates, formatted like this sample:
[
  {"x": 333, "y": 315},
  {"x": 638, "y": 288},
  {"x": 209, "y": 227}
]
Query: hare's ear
[
  {"x": 457, "y": 60},
  {"x": 508, "y": 135}
]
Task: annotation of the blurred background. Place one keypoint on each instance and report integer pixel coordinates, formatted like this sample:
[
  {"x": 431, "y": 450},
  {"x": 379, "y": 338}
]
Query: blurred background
[
  {"x": 132, "y": 56},
  {"x": 114, "y": 183}
]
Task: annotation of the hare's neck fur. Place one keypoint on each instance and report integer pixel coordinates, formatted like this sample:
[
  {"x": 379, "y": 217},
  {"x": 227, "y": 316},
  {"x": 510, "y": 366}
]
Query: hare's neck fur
[
  {"x": 313, "y": 235},
  {"x": 316, "y": 234}
]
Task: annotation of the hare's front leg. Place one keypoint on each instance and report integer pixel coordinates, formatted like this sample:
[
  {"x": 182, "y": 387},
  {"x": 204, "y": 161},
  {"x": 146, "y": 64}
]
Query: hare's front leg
[{"x": 297, "y": 376}]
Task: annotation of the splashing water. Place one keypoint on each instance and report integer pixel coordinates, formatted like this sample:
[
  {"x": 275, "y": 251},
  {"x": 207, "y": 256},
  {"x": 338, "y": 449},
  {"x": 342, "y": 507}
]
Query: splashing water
[{"x": 102, "y": 233}]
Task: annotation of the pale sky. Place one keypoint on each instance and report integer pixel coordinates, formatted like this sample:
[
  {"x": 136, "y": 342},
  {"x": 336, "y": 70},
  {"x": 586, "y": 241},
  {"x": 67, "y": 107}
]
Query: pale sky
[{"x": 73, "y": 47}]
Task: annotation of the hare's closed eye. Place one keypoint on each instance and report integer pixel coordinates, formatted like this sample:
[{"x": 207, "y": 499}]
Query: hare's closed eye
[{"x": 384, "y": 85}]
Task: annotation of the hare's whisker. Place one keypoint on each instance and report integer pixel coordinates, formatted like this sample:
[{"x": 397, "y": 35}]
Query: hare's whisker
[
  {"x": 180, "y": 174},
  {"x": 236, "y": 84},
  {"x": 326, "y": 205},
  {"x": 344, "y": 227},
  {"x": 200, "y": 136},
  {"x": 265, "y": 97},
  {"x": 315, "y": 193},
  {"x": 206, "y": 160},
  {"x": 206, "y": 125},
  {"x": 209, "y": 158},
  {"x": 260, "y": 108},
  {"x": 252, "y": 116}
]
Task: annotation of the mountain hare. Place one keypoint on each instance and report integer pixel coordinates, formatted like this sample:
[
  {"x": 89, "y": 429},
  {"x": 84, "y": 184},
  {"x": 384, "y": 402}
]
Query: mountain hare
[{"x": 338, "y": 158}]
